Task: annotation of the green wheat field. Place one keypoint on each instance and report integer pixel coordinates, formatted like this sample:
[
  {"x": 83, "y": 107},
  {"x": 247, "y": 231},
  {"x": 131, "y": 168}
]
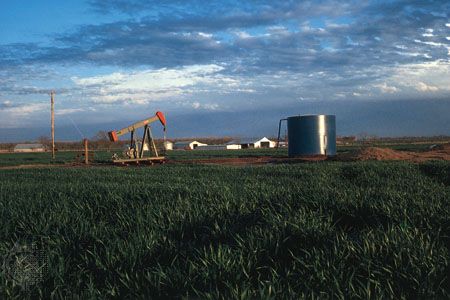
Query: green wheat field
[{"x": 309, "y": 230}]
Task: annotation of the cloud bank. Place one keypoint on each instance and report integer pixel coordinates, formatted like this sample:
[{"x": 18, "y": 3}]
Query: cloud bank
[{"x": 228, "y": 55}]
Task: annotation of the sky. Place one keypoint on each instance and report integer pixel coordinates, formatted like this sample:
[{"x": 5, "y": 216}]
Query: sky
[{"x": 224, "y": 67}]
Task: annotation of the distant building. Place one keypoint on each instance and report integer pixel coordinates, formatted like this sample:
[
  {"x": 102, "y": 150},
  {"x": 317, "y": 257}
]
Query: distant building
[
  {"x": 168, "y": 145},
  {"x": 29, "y": 148},
  {"x": 219, "y": 147},
  {"x": 261, "y": 143},
  {"x": 346, "y": 140},
  {"x": 282, "y": 144},
  {"x": 138, "y": 145},
  {"x": 233, "y": 146},
  {"x": 187, "y": 145}
]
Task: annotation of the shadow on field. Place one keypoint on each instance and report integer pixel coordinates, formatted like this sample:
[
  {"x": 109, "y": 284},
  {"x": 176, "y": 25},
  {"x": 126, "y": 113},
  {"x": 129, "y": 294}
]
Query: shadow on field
[
  {"x": 202, "y": 233},
  {"x": 437, "y": 171}
]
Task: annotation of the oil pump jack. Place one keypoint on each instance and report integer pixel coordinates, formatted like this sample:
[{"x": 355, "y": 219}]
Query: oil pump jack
[{"x": 135, "y": 152}]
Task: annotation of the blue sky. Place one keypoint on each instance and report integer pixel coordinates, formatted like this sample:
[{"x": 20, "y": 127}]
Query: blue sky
[{"x": 224, "y": 67}]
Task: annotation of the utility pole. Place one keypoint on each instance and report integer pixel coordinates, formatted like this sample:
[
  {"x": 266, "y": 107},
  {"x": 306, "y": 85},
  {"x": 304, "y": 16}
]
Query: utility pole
[
  {"x": 86, "y": 151},
  {"x": 52, "y": 97}
]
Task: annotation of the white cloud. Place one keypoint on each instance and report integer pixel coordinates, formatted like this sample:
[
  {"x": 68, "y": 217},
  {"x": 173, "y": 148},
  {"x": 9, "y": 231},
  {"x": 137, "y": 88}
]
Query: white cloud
[
  {"x": 102, "y": 79},
  {"x": 205, "y": 35},
  {"x": 141, "y": 87},
  {"x": 20, "y": 115},
  {"x": 211, "y": 106},
  {"x": 413, "y": 54},
  {"x": 25, "y": 109},
  {"x": 152, "y": 79},
  {"x": 423, "y": 87},
  {"x": 206, "y": 106},
  {"x": 414, "y": 76},
  {"x": 6, "y": 103},
  {"x": 67, "y": 111},
  {"x": 243, "y": 35},
  {"x": 434, "y": 44},
  {"x": 385, "y": 89}
]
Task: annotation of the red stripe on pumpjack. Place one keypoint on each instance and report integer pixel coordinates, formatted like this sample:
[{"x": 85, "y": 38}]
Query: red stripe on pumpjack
[
  {"x": 113, "y": 136},
  {"x": 161, "y": 118}
]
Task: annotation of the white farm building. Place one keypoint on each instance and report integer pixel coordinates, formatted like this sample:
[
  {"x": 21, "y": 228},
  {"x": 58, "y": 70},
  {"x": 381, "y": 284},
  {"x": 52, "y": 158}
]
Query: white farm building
[
  {"x": 168, "y": 145},
  {"x": 29, "y": 148},
  {"x": 187, "y": 145},
  {"x": 261, "y": 143}
]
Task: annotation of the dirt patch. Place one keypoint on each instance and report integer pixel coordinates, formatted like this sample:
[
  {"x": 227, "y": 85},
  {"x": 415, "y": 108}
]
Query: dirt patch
[{"x": 375, "y": 153}]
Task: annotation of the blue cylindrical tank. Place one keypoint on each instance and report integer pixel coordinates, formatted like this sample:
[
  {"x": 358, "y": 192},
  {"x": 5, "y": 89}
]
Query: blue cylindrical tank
[{"x": 312, "y": 135}]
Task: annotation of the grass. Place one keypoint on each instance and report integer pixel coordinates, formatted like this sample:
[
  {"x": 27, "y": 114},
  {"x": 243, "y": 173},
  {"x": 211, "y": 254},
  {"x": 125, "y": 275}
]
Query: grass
[
  {"x": 15, "y": 159},
  {"x": 319, "y": 230},
  {"x": 66, "y": 157}
]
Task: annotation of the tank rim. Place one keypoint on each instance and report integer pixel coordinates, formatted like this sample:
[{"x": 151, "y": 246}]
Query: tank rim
[{"x": 302, "y": 116}]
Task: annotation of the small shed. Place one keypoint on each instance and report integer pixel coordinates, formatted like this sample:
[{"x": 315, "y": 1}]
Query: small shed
[
  {"x": 29, "y": 148},
  {"x": 187, "y": 145}
]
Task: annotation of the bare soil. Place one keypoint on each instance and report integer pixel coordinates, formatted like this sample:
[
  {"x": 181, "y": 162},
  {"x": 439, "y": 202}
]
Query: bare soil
[{"x": 375, "y": 153}]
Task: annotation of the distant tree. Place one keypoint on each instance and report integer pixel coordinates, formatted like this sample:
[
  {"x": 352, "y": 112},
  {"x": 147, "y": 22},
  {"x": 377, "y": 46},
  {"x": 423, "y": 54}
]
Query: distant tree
[
  {"x": 363, "y": 139},
  {"x": 44, "y": 140},
  {"x": 101, "y": 136},
  {"x": 101, "y": 140},
  {"x": 363, "y": 136}
]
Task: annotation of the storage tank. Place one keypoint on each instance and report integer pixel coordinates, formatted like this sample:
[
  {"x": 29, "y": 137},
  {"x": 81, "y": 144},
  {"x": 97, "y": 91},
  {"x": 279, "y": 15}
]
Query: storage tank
[{"x": 312, "y": 135}]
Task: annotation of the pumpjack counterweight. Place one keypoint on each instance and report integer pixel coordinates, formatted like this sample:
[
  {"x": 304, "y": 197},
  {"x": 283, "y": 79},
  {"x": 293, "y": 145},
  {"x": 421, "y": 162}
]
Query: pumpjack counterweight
[{"x": 135, "y": 151}]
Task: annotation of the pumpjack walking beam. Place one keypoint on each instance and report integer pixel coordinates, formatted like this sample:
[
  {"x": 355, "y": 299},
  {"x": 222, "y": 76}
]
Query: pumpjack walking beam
[{"x": 114, "y": 135}]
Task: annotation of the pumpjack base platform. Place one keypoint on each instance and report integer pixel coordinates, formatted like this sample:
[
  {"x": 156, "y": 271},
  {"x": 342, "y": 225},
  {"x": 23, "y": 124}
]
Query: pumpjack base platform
[{"x": 145, "y": 160}]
